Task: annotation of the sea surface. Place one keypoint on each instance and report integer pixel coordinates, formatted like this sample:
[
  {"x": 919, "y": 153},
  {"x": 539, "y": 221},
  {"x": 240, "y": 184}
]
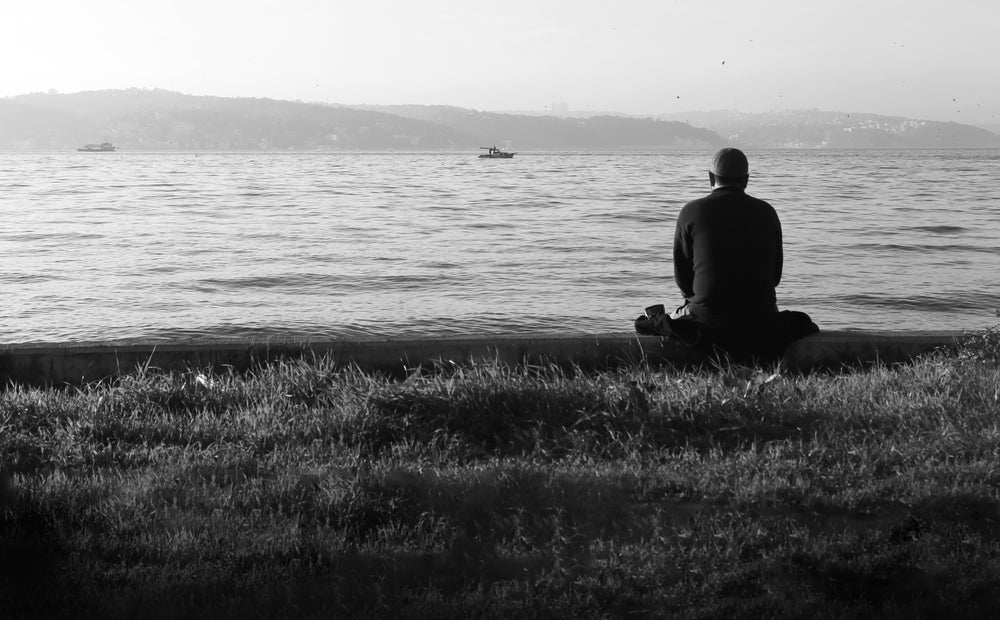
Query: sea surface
[{"x": 178, "y": 246}]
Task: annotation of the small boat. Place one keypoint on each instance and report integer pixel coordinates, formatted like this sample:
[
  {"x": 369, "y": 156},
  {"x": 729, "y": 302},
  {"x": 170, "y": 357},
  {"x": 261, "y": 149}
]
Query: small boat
[
  {"x": 492, "y": 152},
  {"x": 103, "y": 147}
]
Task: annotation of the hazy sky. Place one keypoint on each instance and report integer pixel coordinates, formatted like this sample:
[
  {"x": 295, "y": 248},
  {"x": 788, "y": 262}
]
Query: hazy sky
[{"x": 917, "y": 58}]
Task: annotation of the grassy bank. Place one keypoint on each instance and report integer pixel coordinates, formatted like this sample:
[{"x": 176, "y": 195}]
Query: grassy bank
[{"x": 303, "y": 490}]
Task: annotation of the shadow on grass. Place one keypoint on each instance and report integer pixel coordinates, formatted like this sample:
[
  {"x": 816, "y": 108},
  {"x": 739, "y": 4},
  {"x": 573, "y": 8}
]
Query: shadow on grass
[
  {"x": 408, "y": 585},
  {"x": 529, "y": 533},
  {"x": 517, "y": 421}
]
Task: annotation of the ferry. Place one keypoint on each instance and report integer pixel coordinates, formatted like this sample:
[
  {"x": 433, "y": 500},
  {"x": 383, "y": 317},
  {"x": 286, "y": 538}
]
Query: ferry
[
  {"x": 492, "y": 152},
  {"x": 103, "y": 147}
]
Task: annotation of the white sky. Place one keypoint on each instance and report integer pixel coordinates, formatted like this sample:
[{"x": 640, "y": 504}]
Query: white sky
[{"x": 918, "y": 58}]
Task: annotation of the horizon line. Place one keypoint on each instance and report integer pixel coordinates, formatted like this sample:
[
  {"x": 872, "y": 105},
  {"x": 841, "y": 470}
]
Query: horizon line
[{"x": 569, "y": 113}]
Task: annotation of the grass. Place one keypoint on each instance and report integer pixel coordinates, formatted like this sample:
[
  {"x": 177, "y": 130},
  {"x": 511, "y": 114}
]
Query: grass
[{"x": 309, "y": 490}]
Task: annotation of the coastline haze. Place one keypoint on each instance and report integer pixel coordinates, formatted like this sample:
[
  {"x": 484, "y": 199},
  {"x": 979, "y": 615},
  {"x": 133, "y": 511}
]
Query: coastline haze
[{"x": 641, "y": 58}]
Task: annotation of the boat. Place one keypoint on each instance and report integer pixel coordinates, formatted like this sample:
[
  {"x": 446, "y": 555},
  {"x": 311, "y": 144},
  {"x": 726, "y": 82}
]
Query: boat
[
  {"x": 103, "y": 147},
  {"x": 492, "y": 152}
]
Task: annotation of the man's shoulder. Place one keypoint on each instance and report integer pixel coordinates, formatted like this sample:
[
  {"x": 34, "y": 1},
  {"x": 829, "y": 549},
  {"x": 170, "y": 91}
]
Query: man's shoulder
[
  {"x": 691, "y": 209},
  {"x": 691, "y": 204},
  {"x": 725, "y": 202},
  {"x": 749, "y": 199},
  {"x": 760, "y": 201},
  {"x": 723, "y": 197}
]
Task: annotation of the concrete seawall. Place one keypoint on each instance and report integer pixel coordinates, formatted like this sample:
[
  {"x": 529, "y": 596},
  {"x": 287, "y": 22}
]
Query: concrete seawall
[{"x": 57, "y": 364}]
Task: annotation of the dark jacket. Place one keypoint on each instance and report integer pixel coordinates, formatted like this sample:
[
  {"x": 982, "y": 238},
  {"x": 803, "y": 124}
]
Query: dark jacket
[{"x": 728, "y": 255}]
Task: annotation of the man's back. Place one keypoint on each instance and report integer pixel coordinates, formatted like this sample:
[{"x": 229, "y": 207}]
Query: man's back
[{"x": 728, "y": 254}]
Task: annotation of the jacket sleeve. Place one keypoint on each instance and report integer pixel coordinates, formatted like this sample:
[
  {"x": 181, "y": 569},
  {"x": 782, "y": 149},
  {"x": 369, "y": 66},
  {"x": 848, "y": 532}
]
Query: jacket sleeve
[
  {"x": 779, "y": 257},
  {"x": 683, "y": 261}
]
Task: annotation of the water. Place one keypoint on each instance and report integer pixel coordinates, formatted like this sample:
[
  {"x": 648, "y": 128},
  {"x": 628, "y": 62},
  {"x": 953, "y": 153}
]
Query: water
[{"x": 182, "y": 246}]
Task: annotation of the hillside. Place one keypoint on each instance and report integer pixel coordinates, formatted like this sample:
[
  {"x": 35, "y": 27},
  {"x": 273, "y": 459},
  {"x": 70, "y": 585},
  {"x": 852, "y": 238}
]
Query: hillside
[
  {"x": 534, "y": 132},
  {"x": 156, "y": 119},
  {"x": 137, "y": 119},
  {"x": 24, "y": 125},
  {"x": 817, "y": 129}
]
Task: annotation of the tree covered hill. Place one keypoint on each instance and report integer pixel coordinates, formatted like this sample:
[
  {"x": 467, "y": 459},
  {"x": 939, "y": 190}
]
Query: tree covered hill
[
  {"x": 143, "y": 119},
  {"x": 818, "y": 129},
  {"x": 534, "y": 132},
  {"x": 159, "y": 119}
]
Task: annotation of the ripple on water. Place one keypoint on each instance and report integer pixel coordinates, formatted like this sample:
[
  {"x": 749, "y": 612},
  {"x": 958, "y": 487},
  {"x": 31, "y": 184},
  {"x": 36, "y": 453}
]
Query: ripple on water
[{"x": 165, "y": 244}]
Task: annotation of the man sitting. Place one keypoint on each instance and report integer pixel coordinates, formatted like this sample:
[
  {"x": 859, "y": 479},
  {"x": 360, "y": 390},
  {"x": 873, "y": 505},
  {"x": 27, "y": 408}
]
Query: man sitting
[{"x": 727, "y": 262}]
